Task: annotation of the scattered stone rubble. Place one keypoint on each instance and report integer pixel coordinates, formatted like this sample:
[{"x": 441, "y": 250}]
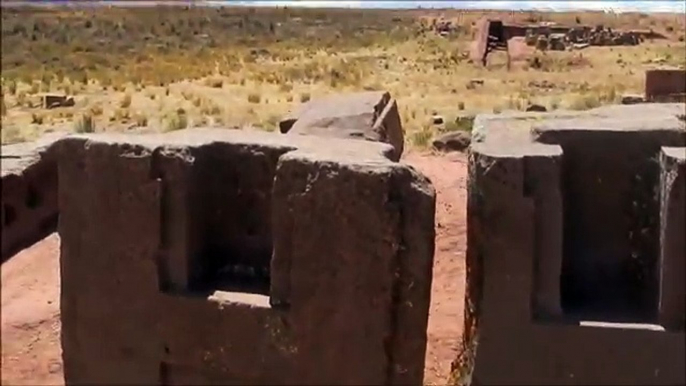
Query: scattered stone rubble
[
  {"x": 579, "y": 37},
  {"x": 441, "y": 27}
]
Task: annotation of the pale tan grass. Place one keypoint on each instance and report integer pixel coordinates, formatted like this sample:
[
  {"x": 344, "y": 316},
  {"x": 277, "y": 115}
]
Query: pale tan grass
[{"x": 427, "y": 75}]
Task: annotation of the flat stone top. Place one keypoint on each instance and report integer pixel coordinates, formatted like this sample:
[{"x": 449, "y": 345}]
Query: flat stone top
[
  {"x": 362, "y": 98},
  {"x": 343, "y": 105},
  {"x": 666, "y": 69},
  {"x": 240, "y": 299},
  {"x": 622, "y": 326},
  {"x": 14, "y": 165},
  {"x": 506, "y": 149},
  {"x": 326, "y": 148},
  {"x": 16, "y": 157},
  {"x": 641, "y": 109},
  {"x": 18, "y": 150},
  {"x": 518, "y": 129},
  {"x": 678, "y": 153},
  {"x": 613, "y": 123}
]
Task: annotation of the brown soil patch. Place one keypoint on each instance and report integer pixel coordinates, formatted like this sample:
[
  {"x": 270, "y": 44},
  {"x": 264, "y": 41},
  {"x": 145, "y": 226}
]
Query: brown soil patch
[
  {"x": 31, "y": 352},
  {"x": 449, "y": 176}
]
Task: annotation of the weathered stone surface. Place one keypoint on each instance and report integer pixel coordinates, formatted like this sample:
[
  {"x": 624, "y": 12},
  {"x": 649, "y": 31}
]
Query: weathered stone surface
[
  {"x": 29, "y": 193},
  {"x": 514, "y": 128},
  {"x": 571, "y": 253},
  {"x": 457, "y": 141},
  {"x": 631, "y": 99},
  {"x": 664, "y": 84},
  {"x": 611, "y": 215},
  {"x": 51, "y": 101},
  {"x": 672, "y": 298},
  {"x": 287, "y": 122},
  {"x": 537, "y": 108},
  {"x": 371, "y": 115},
  {"x": 232, "y": 257}
]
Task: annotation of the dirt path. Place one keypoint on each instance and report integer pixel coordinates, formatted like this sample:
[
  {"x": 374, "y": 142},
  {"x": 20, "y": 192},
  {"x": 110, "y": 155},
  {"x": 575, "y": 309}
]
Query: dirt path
[
  {"x": 449, "y": 176},
  {"x": 31, "y": 353}
]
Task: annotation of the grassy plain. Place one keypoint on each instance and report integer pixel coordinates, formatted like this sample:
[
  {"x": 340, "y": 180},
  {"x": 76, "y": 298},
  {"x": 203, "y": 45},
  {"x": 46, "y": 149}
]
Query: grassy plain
[{"x": 168, "y": 68}]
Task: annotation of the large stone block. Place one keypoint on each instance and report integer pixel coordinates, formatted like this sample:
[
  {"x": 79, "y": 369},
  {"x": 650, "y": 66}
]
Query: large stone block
[
  {"x": 370, "y": 115},
  {"x": 29, "y": 193},
  {"x": 672, "y": 298},
  {"x": 573, "y": 255},
  {"x": 665, "y": 84},
  {"x": 230, "y": 257}
]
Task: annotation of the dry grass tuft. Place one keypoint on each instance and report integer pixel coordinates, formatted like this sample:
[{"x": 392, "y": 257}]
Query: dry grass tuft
[
  {"x": 85, "y": 124},
  {"x": 214, "y": 82},
  {"x": 37, "y": 118},
  {"x": 254, "y": 98},
  {"x": 177, "y": 120},
  {"x": 126, "y": 101}
]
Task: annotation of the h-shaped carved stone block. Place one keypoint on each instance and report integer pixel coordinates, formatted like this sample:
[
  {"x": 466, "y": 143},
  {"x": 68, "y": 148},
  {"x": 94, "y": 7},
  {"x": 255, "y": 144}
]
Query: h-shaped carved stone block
[
  {"x": 230, "y": 257},
  {"x": 576, "y": 256}
]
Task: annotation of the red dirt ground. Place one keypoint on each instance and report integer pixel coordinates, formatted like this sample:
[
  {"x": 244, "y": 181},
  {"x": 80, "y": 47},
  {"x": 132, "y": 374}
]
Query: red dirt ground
[{"x": 31, "y": 353}]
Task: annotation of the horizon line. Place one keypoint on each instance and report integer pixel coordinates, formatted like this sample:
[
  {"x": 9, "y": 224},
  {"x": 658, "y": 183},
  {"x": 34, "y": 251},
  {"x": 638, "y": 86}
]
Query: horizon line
[{"x": 659, "y": 6}]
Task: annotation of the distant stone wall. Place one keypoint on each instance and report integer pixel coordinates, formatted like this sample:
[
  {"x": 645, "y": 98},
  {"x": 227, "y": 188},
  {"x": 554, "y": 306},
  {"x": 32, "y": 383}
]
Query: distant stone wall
[
  {"x": 29, "y": 194},
  {"x": 575, "y": 259},
  {"x": 235, "y": 257}
]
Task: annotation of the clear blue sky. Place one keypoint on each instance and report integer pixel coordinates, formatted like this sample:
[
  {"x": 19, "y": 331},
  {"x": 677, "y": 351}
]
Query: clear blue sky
[{"x": 618, "y": 6}]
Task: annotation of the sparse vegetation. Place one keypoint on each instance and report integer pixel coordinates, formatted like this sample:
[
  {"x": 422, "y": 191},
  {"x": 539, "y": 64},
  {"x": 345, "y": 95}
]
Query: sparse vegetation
[
  {"x": 126, "y": 101},
  {"x": 37, "y": 119},
  {"x": 11, "y": 134},
  {"x": 421, "y": 138},
  {"x": 214, "y": 82},
  {"x": 585, "y": 102},
  {"x": 96, "y": 110},
  {"x": 21, "y": 99},
  {"x": 254, "y": 98},
  {"x": 460, "y": 123},
  {"x": 12, "y": 87},
  {"x": 121, "y": 115},
  {"x": 141, "y": 120},
  {"x": 85, "y": 124},
  {"x": 156, "y": 58},
  {"x": 176, "y": 121}
]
